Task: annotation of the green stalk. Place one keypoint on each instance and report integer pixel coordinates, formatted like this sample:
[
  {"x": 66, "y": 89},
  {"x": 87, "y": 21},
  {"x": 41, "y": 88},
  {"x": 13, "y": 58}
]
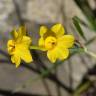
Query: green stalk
[
  {"x": 37, "y": 48},
  {"x": 82, "y": 88},
  {"x": 89, "y": 53}
]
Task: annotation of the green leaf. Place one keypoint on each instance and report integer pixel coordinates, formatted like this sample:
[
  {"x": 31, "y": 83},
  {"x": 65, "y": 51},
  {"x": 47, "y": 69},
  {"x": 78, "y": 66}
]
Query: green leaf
[
  {"x": 81, "y": 88},
  {"x": 76, "y": 22},
  {"x": 81, "y": 21},
  {"x": 86, "y": 9}
]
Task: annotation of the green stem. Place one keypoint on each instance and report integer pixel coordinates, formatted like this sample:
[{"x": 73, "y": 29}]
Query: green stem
[
  {"x": 37, "y": 48},
  {"x": 82, "y": 89},
  {"x": 89, "y": 53}
]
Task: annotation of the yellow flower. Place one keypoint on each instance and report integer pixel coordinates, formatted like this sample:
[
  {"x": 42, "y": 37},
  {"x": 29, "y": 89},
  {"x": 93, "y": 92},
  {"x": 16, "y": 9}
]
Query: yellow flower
[
  {"x": 18, "y": 47},
  {"x": 55, "y": 42}
]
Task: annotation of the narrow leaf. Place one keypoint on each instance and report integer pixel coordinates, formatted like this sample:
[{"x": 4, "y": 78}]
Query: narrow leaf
[
  {"x": 86, "y": 9},
  {"x": 77, "y": 26}
]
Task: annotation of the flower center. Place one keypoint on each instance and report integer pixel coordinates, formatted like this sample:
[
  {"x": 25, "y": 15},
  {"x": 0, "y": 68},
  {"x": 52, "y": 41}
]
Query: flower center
[
  {"x": 11, "y": 47},
  {"x": 50, "y": 42}
]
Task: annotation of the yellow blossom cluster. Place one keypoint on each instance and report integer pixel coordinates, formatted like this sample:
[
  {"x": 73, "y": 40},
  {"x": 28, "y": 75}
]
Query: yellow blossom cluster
[{"x": 53, "y": 41}]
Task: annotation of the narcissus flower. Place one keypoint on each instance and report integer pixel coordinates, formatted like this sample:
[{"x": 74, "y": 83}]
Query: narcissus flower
[
  {"x": 55, "y": 42},
  {"x": 18, "y": 47}
]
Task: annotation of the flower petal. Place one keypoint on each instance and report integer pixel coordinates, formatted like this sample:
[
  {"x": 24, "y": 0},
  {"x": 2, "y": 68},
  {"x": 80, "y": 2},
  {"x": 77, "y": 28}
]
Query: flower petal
[
  {"x": 10, "y": 42},
  {"x": 43, "y": 30},
  {"x": 58, "y": 30},
  {"x": 57, "y": 53},
  {"x": 10, "y": 46},
  {"x": 41, "y": 42},
  {"x": 21, "y": 32},
  {"x": 66, "y": 41},
  {"x": 16, "y": 59},
  {"x": 52, "y": 55},
  {"x": 63, "y": 54},
  {"x": 26, "y": 41},
  {"x": 26, "y": 56},
  {"x": 23, "y": 49}
]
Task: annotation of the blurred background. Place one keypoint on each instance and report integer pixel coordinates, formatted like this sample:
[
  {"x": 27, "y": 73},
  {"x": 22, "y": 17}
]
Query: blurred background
[{"x": 76, "y": 73}]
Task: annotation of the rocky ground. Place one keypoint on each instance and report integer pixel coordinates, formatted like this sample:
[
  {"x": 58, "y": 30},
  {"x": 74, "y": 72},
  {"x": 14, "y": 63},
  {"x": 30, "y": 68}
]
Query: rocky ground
[{"x": 35, "y": 13}]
